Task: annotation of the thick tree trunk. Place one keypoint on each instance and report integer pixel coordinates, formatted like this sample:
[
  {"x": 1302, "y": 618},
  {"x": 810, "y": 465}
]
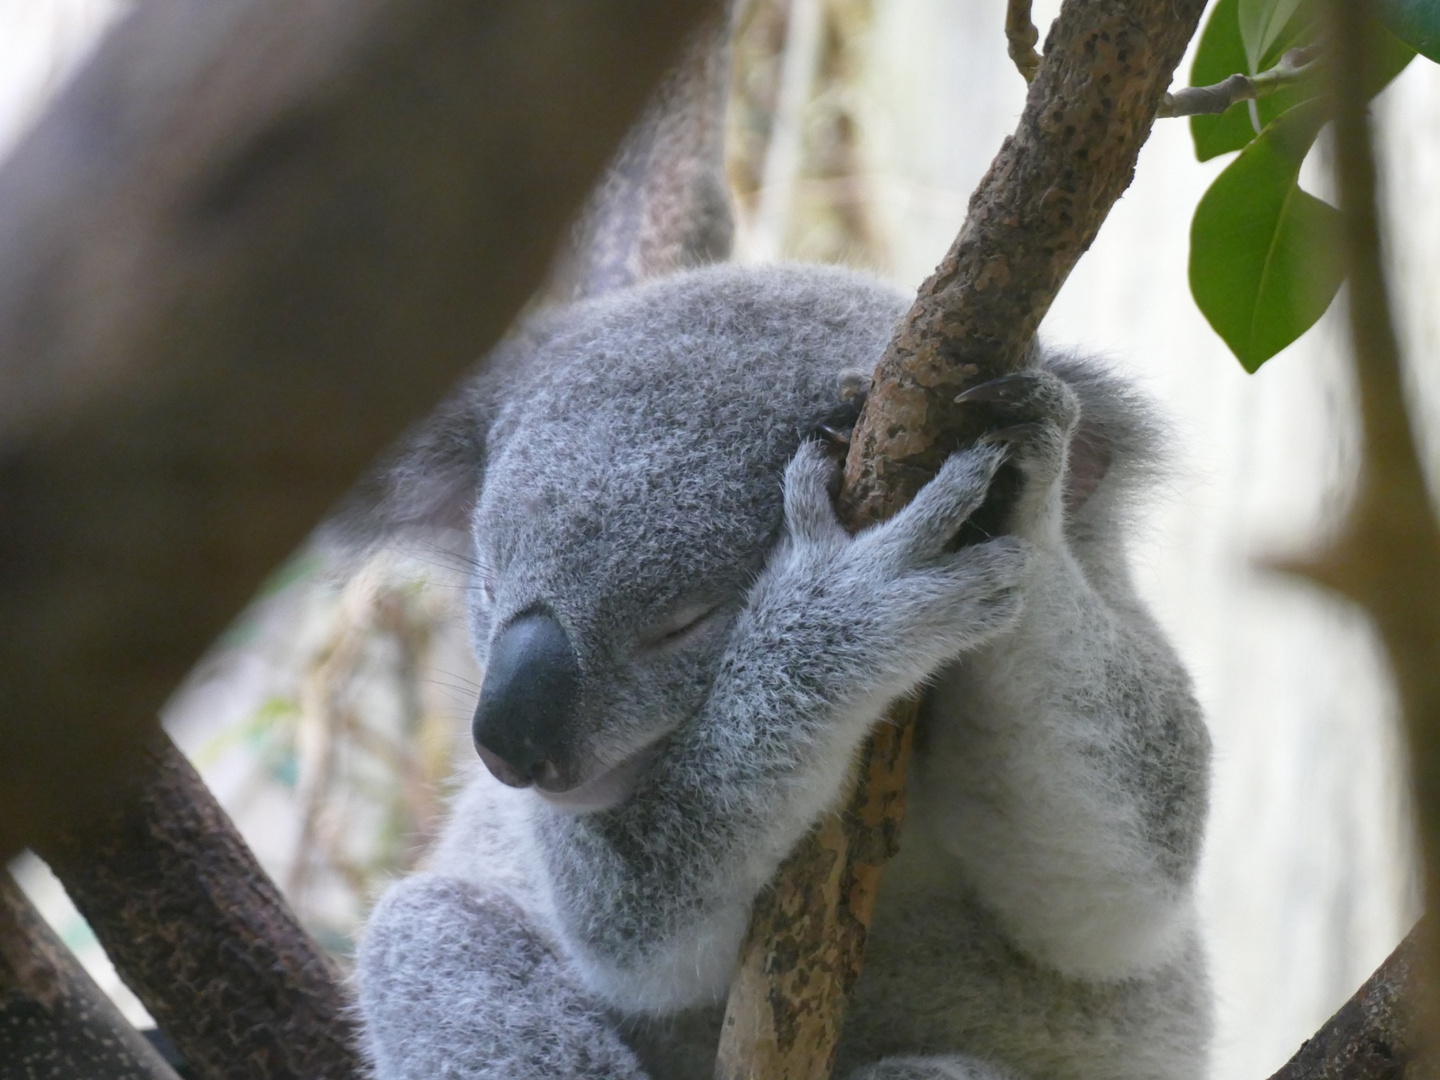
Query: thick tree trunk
[
  {"x": 1107, "y": 64},
  {"x": 252, "y": 242},
  {"x": 54, "y": 1021}
]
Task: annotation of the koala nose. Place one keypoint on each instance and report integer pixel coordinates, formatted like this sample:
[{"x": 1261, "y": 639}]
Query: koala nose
[{"x": 526, "y": 702}]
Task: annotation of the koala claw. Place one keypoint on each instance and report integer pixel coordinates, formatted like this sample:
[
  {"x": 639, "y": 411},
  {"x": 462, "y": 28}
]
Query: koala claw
[
  {"x": 1015, "y": 433},
  {"x": 1026, "y": 395},
  {"x": 1007, "y": 388}
]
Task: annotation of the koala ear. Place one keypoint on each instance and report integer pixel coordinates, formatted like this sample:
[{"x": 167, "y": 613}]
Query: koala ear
[
  {"x": 1116, "y": 445},
  {"x": 427, "y": 482},
  {"x": 1089, "y": 463}
]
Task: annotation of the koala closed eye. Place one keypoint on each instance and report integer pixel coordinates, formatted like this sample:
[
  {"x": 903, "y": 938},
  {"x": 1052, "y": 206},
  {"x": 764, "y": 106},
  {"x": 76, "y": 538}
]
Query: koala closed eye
[{"x": 687, "y": 624}]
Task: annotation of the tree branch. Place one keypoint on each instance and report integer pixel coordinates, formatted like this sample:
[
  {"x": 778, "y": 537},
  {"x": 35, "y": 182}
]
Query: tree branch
[
  {"x": 1106, "y": 65},
  {"x": 250, "y": 244},
  {"x": 202, "y": 936},
  {"x": 1386, "y": 555},
  {"x": 1021, "y": 35},
  {"x": 1369, "y": 1037},
  {"x": 1295, "y": 65},
  {"x": 54, "y": 1020}
]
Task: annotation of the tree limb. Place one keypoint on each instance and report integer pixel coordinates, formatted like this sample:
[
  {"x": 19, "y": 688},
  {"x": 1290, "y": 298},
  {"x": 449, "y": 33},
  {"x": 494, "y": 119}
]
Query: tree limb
[
  {"x": 1386, "y": 555},
  {"x": 250, "y": 243},
  {"x": 1021, "y": 35},
  {"x": 202, "y": 936},
  {"x": 54, "y": 1020},
  {"x": 1106, "y": 65},
  {"x": 1369, "y": 1037},
  {"x": 1295, "y": 65}
]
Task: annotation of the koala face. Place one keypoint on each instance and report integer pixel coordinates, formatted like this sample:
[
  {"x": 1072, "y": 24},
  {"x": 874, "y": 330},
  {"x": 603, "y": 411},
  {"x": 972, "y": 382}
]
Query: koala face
[{"x": 632, "y": 491}]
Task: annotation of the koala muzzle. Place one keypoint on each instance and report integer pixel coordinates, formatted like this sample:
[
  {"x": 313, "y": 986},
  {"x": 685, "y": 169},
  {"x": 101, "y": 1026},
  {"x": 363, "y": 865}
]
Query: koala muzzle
[{"x": 527, "y": 701}]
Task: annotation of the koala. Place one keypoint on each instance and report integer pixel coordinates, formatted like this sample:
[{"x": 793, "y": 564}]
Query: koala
[{"x": 684, "y": 650}]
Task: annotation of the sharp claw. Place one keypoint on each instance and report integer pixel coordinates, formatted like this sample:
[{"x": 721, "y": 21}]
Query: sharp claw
[
  {"x": 834, "y": 436},
  {"x": 1007, "y": 388},
  {"x": 1008, "y": 436}
]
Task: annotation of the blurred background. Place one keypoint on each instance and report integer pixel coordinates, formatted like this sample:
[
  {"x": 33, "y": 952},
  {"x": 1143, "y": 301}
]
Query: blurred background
[{"x": 330, "y": 719}]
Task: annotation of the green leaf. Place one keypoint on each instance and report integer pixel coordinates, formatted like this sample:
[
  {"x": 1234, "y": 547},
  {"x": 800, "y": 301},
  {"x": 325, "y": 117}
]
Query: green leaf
[
  {"x": 1221, "y": 54},
  {"x": 1264, "y": 260},
  {"x": 1262, "y": 22},
  {"x": 1415, "y": 22},
  {"x": 1389, "y": 56}
]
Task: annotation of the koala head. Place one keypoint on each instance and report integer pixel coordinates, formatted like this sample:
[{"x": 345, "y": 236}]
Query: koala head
[{"x": 624, "y": 488}]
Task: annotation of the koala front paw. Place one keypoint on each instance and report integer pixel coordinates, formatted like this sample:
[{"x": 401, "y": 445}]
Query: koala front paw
[
  {"x": 901, "y": 592},
  {"x": 1035, "y": 413}
]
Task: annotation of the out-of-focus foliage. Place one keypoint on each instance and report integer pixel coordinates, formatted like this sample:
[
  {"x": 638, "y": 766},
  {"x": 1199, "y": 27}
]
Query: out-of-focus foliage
[{"x": 350, "y": 754}]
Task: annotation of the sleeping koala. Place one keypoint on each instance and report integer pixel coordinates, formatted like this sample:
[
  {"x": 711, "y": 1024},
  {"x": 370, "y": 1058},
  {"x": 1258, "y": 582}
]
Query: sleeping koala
[{"x": 684, "y": 650}]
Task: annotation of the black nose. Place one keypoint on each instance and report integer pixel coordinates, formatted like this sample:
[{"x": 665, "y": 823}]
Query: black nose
[{"x": 526, "y": 703}]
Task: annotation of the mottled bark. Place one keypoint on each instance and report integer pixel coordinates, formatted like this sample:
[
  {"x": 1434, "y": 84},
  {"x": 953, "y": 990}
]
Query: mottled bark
[
  {"x": 201, "y": 934},
  {"x": 246, "y": 247},
  {"x": 1106, "y": 65},
  {"x": 54, "y": 1021},
  {"x": 1369, "y": 1038}
]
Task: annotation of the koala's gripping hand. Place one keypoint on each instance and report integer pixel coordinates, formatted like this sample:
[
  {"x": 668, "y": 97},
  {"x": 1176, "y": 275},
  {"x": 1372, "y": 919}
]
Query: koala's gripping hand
[
  {"x": 653, "y": 895},
  {"x": 869, "y": 617}
]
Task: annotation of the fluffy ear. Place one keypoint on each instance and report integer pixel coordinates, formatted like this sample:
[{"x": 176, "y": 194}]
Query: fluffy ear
[
  {"x": 427, "y": 482},
  {"x": 664, "y": 202},
  {"x": 1117, "y": 444}
]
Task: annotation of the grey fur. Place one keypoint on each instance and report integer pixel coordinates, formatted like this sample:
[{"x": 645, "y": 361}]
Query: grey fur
[{"x": 646, "y": 472}]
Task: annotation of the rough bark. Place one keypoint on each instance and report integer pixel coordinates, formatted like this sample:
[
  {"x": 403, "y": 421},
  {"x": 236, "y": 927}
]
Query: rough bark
[
  {"x": 249, "y": 244},
  {"x": 1106, "y": 66},
  {"x": 1370, "y": 1037},
  {"x": 201, "y": 934},
  {"x": 54, "y": 1020}
]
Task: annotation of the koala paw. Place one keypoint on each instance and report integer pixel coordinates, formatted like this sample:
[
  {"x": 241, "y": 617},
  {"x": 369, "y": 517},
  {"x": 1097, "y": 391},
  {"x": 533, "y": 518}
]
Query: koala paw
[
  {"x": 1036, "y": 413},
  {"x": 901, "y": 592}
]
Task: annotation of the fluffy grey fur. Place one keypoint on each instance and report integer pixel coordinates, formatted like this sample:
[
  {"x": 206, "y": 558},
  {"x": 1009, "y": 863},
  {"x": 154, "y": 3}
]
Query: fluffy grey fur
[{"x": 642, "y": 466}]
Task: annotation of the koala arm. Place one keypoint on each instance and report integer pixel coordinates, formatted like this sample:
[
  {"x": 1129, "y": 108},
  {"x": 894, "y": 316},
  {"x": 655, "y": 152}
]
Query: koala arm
[
  {"x": 651, "y": 898},
  {"x": 1066, "y": 761}
]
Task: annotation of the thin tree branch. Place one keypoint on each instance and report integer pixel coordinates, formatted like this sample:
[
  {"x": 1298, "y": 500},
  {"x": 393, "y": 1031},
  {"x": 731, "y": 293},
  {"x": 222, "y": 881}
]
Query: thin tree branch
[
  {"x": 1022, "y": 36},
  {"x": 252, "y": 242},
  {"x": 54, "y": 1020},
  {"x": 1107, "y": 64},
  {"x": 1295, "y": 66}
]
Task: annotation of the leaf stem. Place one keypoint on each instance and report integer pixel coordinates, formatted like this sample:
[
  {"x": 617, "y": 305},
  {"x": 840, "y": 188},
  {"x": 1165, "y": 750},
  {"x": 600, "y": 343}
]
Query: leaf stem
[{"x": 1295, "y": 65}]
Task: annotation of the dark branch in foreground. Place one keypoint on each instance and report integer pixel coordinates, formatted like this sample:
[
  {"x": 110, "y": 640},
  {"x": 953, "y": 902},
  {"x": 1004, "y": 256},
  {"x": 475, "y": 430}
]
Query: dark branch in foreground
[
  {"x": 250, "y": 244},
  {"x": 1106, "y": 65},
  {"x": 54, "y": 1020},
  {"x": 1385, "y": 557},
  {"x": 200, "y": 933}
]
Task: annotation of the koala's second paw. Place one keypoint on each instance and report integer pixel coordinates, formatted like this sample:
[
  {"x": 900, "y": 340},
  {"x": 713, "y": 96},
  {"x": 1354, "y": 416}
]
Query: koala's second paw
[
  {"x": 901, "y": 591},
  {"x": 1036, "y": 414}
]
